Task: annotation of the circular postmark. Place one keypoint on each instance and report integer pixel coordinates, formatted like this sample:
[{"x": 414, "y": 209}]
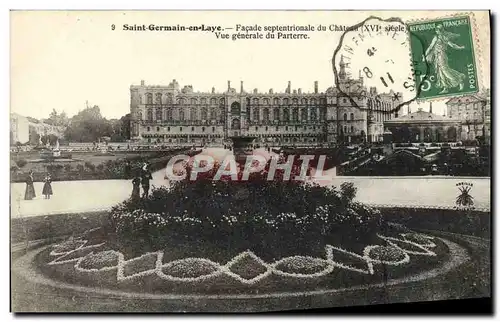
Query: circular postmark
[{"x": 378, "y": 51}]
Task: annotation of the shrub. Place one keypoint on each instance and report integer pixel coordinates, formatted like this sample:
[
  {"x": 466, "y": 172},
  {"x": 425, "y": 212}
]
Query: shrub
[
  {"x": 100, "y": 167},
  {"x": 21, "y": 163},
  {"x": 258, "y": 211},
  {"x": 80, "y": 167},
  {"x": 67, "y": 167},
  {"x": 89, "y": 166}
]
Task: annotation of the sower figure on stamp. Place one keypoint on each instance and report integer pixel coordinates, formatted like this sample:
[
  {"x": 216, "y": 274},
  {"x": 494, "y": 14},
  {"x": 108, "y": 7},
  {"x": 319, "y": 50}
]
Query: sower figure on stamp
[
  {"x": 136, "y": 183},
  {"x": 446, "y": 77},
  {"x": 47, "y": 186},
  {"x": 146, "y": 176},
  {"x": 30, "y": 188}
]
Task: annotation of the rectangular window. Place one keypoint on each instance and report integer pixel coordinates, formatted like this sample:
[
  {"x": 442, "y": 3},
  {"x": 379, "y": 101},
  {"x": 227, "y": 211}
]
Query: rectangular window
[{"x": 180, "y": 129}]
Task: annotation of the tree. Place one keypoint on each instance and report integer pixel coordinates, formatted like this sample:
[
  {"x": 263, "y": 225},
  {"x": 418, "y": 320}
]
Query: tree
[
  {"x": 51, "y": 138},
  {"x": 57, "y": 119},
  {"x": 88, "y": 126},
  {"x": 121, "y": 129},
  {"x": 34, "y": 137}
]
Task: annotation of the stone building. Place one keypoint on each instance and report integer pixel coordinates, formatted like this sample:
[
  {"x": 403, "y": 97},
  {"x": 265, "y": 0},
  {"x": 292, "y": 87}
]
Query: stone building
[
  {"x": 474, "y": 111},
  {"x": 19, "y": 128},
  {"x": 180, "y": 116},
  {"x": 422, "y": 126},
  {"x": 22, "y": 129}
]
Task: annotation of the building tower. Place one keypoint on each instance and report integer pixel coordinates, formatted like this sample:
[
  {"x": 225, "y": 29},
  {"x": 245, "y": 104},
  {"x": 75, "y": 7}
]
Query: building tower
[{"x": 342, "y": 73}]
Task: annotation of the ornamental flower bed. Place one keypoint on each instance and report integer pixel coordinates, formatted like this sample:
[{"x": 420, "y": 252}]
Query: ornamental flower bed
[
  {"x": 337, "y": 267},
  {"x": 243, "y": 214}
]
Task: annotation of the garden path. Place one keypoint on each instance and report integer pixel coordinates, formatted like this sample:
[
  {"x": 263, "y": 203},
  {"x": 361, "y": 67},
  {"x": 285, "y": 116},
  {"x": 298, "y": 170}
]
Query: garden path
[{"x": 93, "y": 195}]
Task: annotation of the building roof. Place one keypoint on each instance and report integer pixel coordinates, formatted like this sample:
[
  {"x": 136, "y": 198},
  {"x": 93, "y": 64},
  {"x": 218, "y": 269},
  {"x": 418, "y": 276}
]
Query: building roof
[
  {"x": 469, "y": 98},
  {"x": 420, "y": 116}
]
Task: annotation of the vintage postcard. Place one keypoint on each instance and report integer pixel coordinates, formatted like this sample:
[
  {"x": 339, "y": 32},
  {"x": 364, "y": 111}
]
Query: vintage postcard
[{"x": 248, "y": 161}]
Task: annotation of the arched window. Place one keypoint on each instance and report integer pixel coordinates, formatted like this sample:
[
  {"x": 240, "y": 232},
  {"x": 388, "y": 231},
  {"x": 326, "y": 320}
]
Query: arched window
[
  {"x": 295, "y": 101},
  {"x": 235, "y": 124},
  {"x": 304, "y": 101},
  {"x": 203, "y": 101},
  {"x": 158, "y": 98},
  {"x": 169, "y": 115},
  {"x": 150, "y": 115},
  {"x": 352, "y": 129},
  {"x": 192, "y": 113},
  {"x": 285, "y": 101},
  {"x": 345, "y": 116},
  {"x": 235, "y": 108},
  {"x": 213, "y": 114},
  {"x": 169, "y": 99},
  {"x": 304, "y": 114},
  {"x": 286, "y": 115},
  {"x": 194, "y": 101},
  {"x": 255, "y": 101},
  {"x": 266, "y": 101},
  {"x": 222, "y": 101},
  {"x": 352, "y": 116},
  {"x": 314, "y": 115},
  {"x": 181, "y": 114},
  {"x": 313, "y": 101},
  {"x": 213, "y": 101},
  {"x": 266, "y": 114},
  {"x": 158, "y": 114},
  {"x": 276, "y": 101},
  {"x": 204, "y": 113},
  {"x": 256, "y": 114},
  {"x": 149, "y": 98},
  {"x": 139, "y": 115},
  {"x": 276, "y": 113},
  {"x": 295, "y": 114}
]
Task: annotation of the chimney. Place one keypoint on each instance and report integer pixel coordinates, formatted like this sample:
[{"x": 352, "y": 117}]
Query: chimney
[
  {"x": 289, "y": 88},
  {"x": 255, "y": 91},
  {"x": 295, "y": 91},
  {"x": 270, "y": 91},
  {"x": 316, "y": 87},
  {"x": 300, "y": 91},
  {"x": 241, "y": 88},
  {"x": 430, "y": 107},
  {"x": 228, "y": 85},
  {"x": 213, "y": 90},
  {"x": 142, "y": 82}
]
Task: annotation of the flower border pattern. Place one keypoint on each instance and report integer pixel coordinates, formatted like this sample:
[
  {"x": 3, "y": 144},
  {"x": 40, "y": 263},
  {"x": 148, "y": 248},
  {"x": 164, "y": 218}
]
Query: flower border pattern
[{"x": 270, "y": 268}]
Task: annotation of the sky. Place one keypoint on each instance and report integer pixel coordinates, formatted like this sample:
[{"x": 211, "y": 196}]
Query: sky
[{"x": 61, "y": 59}]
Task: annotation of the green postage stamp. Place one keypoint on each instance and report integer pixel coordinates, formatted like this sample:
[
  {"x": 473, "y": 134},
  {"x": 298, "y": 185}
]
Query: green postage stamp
[{"x": 443, "y": 57}]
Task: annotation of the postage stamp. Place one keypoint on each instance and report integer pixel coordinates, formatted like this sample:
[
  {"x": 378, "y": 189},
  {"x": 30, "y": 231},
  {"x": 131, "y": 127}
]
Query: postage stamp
[{"x": 443, "y": 57}]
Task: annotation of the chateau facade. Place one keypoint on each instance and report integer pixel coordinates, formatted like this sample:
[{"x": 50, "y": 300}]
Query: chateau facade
[{"x": 172, "y": 115}]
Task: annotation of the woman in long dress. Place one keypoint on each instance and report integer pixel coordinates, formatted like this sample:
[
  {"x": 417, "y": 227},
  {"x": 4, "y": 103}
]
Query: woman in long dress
[
  {"x": 446, "y": 77},
  {"x": 47, "y": 187},
  {"x": 30, "y": 189},
  {"x": 136, "y": 182}
]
